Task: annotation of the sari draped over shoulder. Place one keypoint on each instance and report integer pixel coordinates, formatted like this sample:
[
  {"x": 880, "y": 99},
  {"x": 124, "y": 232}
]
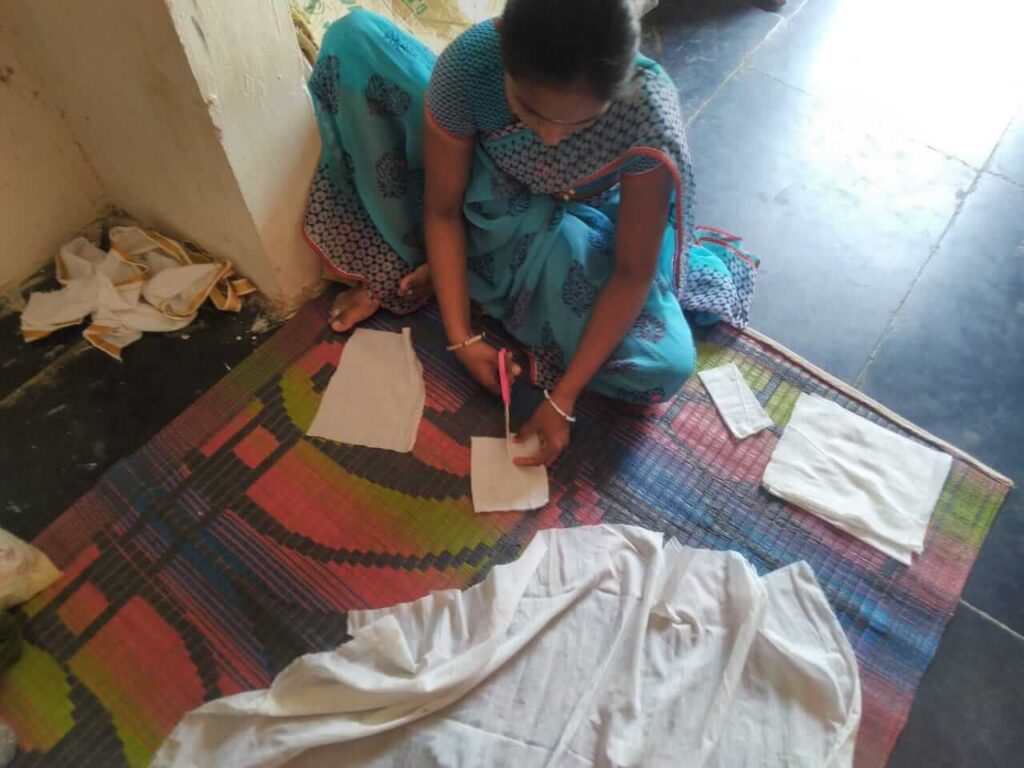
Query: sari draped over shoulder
[{"x": 541, "y": 221}]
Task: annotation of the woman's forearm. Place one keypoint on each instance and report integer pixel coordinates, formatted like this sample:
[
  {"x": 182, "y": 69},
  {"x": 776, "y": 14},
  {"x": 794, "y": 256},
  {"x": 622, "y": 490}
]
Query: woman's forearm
[
  {"x": 617, "y": 308},
  {"x": 642, "y": 214},
  {"x": 446, "y": 252}
]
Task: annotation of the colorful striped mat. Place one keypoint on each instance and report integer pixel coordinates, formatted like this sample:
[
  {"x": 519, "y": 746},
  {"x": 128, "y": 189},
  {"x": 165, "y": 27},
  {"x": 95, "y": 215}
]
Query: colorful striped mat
[{"x": 232, "y": 543}]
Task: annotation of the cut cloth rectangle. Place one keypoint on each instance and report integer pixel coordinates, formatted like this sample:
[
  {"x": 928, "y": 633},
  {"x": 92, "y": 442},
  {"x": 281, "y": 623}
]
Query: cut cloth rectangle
[
  {"x": 375, "y": 397},
  {"x": 598, "y": 646},
  {"x": 736, "y": 403},
  {"x": 867, "y": 480},
  {"x": 498, "y": 484}
]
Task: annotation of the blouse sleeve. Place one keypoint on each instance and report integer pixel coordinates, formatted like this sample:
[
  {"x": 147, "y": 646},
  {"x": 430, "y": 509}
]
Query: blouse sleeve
[
  {"x": 663, "y": 131},
  {"x": 447, "y": 92}
]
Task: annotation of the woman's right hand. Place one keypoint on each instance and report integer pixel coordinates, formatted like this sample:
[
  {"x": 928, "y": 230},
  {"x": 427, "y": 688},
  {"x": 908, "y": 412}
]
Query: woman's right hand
[{"x": 481, "y": 360}]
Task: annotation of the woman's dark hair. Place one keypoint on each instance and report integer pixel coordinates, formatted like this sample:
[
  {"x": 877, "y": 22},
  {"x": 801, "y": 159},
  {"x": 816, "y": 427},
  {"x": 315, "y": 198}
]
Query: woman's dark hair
[{"x": 560, "y": 42}]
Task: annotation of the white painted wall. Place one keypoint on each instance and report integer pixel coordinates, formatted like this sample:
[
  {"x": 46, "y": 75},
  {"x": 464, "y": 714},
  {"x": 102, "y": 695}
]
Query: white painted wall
[
  {"x": 48, "y": 192},
  {"x": 208, "y": 136},
  {"x": 251, "y": 74}
]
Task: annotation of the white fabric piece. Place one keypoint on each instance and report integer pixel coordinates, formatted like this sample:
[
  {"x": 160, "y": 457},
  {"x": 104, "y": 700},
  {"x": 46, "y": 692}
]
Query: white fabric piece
[
  {"x": 173, "y": 291},
  {"x": 497, "y": 484},
  {"x": 146, "y": 282},
  {"x": 736, "y": 403},
  {"x": 870, "y": 482},
  {"x": 58, "y": 309},
  {"x": 24, "y": 571},
  {"x": 136, "y": 246},
  {"x": 80, "y": 259},
  {"x": 375, "y": 397},
  {"x": 599, "y": 646}
]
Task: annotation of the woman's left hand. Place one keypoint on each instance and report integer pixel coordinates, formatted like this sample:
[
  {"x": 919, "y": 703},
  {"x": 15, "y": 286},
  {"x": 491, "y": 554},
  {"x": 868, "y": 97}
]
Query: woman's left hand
[{"x": 553, "y": 431}]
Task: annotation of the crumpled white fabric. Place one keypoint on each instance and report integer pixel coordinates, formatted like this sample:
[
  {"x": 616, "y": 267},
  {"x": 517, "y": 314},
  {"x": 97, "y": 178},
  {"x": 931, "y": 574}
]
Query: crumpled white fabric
[
  {"x": 145, "y": 283},
  {"x": 737, "y": 404},
  {"x": 375, "y": 397},
  {"x": 24, "y": 571},
  {"x": 868, "y": 481},
  {"x": 598, "y": 646},
  {"x": 499, "y": 485}
]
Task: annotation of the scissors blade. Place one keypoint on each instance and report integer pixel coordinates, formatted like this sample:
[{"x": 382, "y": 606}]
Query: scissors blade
[{"x": 508, "y": 432}]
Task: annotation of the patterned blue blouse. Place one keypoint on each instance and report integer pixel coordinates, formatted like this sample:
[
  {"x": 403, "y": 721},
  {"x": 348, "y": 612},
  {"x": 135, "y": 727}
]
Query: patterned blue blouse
[{"x": 466, "y": 97}]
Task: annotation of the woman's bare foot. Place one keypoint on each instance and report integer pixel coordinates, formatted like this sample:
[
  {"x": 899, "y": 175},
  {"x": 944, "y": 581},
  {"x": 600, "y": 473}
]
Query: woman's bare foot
[
  {"x": 417, "y": 284},
  {"x": 350, "y": 308}
]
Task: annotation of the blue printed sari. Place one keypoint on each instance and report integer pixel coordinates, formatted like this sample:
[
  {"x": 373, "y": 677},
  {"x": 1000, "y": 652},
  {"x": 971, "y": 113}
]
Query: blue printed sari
[{"x": 536, "y": 260}]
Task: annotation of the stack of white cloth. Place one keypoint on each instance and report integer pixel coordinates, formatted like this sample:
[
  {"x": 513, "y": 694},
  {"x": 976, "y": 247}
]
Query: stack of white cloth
[
  {"x": 870, "y": 482},
  {"x": 598, "y": 646},
  {"x": 145, "y": 282}
]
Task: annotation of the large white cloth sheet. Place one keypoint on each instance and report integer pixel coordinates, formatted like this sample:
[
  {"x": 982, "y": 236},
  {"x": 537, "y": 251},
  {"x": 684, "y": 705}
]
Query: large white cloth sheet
[
  {"x": 870, "y": 482},
  {"x": 598, "y": 646}
]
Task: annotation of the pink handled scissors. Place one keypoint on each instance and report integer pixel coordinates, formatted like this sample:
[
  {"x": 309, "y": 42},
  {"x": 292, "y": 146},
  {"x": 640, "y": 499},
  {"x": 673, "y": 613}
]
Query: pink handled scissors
[{"x": 506, "y": 395}]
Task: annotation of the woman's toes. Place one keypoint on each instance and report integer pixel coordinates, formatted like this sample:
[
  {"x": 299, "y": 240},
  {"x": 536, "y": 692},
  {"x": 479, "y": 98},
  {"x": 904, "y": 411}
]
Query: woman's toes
[
  {"x": 416, "y": 285},
  {"x": 350, "y": 309}
]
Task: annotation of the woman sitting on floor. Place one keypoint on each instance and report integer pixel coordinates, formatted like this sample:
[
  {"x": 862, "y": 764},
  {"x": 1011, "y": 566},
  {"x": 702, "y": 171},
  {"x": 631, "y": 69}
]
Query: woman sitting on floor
[{"x": 538, "y": 168}]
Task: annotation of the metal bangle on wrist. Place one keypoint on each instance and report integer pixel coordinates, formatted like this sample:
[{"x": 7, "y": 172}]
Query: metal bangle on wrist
[
  {"x": 466, "y": 343},
  {"x": 558, "y": 409}
]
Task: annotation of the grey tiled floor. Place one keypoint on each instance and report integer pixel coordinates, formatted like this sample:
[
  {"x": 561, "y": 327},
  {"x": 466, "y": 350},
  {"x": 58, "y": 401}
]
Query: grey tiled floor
[{"x": 873, "y": 154}]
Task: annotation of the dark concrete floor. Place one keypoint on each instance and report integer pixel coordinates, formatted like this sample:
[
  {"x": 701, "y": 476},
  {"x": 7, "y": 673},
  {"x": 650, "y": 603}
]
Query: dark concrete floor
[
  {"x": 68, "y": 412},
  {"x": 872, "y": 152}
]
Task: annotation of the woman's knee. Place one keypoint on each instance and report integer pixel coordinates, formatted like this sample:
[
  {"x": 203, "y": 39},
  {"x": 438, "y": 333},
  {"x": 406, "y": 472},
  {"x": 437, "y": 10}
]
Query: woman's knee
[
  {"x": 351, "y": 31},
  {"x": 675, "y": 361}
]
